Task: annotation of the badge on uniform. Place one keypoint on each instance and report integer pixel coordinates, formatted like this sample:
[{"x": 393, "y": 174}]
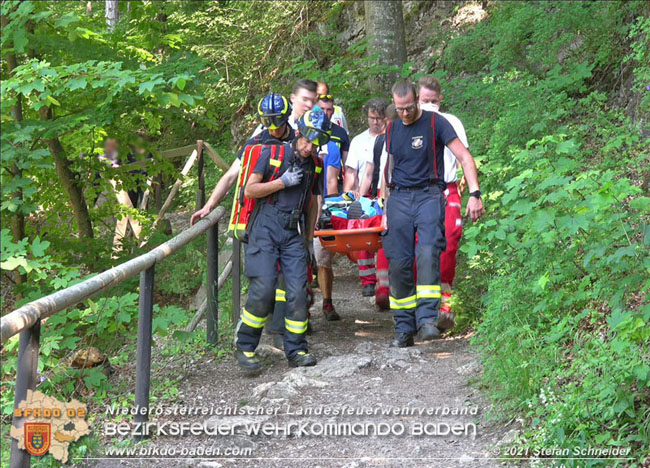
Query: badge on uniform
[{"x": 416, "y": 142}]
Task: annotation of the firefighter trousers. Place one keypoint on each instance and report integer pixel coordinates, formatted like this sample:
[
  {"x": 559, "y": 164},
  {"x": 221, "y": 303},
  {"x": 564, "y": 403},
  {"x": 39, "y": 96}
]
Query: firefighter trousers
[
  {"x": 270, "y": 242},
  {"x": 412, "y": 211}
]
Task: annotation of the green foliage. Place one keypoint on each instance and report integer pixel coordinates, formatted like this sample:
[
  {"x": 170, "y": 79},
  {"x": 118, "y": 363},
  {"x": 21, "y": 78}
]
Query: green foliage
[{"x": 561, "y": 260}]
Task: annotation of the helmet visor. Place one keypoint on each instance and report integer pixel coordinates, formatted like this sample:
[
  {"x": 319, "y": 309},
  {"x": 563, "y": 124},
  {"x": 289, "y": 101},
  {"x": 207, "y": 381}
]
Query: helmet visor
[
  {"x": 316, "y": 136},
  {"x": 273, "y": 122}
]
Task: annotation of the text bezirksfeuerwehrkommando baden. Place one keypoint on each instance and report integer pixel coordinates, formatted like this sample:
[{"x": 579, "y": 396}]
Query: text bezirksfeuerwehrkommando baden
[{"x": 288, "y": 410}]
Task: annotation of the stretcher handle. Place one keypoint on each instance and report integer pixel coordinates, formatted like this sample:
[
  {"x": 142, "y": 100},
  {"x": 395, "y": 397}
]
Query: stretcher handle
[{"x": 349, "y": 232}]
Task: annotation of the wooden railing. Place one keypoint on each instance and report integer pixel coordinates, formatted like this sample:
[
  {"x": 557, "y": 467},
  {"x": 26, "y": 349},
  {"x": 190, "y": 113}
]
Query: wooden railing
[{"x": 26, "y": 320}]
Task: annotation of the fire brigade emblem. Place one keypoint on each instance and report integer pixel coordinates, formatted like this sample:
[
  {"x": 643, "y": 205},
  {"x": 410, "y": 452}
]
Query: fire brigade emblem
[
  {"x": 37, "y": 438},
  {"x": 416, "y": 142}
]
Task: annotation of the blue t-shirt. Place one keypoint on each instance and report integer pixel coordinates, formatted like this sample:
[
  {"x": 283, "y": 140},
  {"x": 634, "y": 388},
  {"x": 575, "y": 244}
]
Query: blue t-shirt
[
  {"x": 332, "y": 158},
  {"x": 412, "y": 149},
  {"x": 340, "y": 137}
]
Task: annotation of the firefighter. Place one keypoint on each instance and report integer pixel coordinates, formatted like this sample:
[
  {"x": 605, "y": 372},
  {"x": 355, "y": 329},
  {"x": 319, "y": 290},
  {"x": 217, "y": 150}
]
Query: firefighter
[
  {"x": 273, "y": 110},
  {"x": 276, "y": 235},
  {"x": 416, "y": 205}
]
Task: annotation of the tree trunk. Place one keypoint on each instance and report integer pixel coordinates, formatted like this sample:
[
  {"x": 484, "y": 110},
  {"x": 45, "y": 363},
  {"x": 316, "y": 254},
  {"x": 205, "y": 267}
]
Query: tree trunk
[
  {"x": 17, "y": 219},
  {"x": 89, "y": 8},
  {"x": 70, "y": 182},
  {"x": 112, "y": 14},
  {"x": 385, "y": 28}
]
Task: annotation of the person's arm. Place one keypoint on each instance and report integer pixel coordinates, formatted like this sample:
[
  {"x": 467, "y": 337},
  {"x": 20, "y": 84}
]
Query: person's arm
[
  {"x": 220, "y": 191},
  {"x": 350, "y": 179},
  {"x": 332, "y": 180},
  {"x": 312, "y": 216},
  {"x": 475, "y": 205},
  {"x": 255, "y": 188},
  {"x": 366, "y": 181}
]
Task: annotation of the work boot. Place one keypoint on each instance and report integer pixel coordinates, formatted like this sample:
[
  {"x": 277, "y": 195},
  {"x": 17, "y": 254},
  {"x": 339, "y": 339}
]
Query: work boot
[
  {"x": 330, "y": 312},
  {"x": 247, "y": 360},
  {"x": 401, "y": 340},
  {"x": 278, "y": 340},
  {"x": 368, "y": 290},
  {"x": 382, "y": 302},
  {"x": 428, "y": 332},
  {"x": 302, "y": 359}
]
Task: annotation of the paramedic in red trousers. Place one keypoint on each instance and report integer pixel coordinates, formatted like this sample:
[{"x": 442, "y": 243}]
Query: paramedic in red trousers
[
  {"x": 276, "y": 234},
  {"x": 416, "y": 205},
  {"x": 359, "y": 170},
  {"x": 430, "y": 97}
]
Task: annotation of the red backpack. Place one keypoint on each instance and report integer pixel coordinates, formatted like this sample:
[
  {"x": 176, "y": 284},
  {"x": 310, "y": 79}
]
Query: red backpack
[{"x": 243, "y": 207}]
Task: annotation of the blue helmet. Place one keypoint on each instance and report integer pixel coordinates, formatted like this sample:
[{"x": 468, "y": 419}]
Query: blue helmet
[
  {"x": 315, "y": 126},
  {"x": 274, "y": 110}
]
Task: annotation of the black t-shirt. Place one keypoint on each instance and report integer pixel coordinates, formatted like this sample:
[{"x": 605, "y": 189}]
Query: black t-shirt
[
  {"x": 265, "y": 138},
  {"x": 288, "y": 198},
  {"x": 340, "y": 137},
  {"x": 411, "y": 147}
]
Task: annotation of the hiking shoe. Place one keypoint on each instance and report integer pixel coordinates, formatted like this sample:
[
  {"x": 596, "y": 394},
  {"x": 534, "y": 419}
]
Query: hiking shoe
[
  {"x": 446, "y": 319},
  {"x": 401, "y": 340},
  {"x": 278, "y": 340},
  {"x": 302, "y": 359},
  {"x": 428, "y": 332},
  {"x": 368, "y": 290},
  {"x": 330, "y": 313},
  {"x": 247, "y": 360},
  {"x": 355, "y": 211},
  {"x": 382, "y": 302}
]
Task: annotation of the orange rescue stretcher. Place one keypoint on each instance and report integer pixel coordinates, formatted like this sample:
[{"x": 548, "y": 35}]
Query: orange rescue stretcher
[{"x": 350, "y": 241}]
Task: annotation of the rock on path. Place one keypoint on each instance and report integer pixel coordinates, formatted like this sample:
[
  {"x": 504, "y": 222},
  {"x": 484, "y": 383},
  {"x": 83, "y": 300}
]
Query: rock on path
[{"x": 356, "y": 372}]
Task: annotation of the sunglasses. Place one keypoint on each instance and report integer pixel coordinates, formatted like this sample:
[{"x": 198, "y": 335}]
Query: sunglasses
[
  {"x": 316, "y": 136},
  {"x": 409, "y": 109},
  {"x": 273, "y": 122},
  {"x": 325, "y": 97}
]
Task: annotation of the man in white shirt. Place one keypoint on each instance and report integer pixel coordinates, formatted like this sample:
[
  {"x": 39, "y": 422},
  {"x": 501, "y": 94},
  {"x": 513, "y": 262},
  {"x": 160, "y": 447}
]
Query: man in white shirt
[
  {"x": 359, "y": 169},
  {"x": 430, "y": 97}
]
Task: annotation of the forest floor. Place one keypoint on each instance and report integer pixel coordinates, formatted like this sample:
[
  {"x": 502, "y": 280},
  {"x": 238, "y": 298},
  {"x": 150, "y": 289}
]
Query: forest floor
[{"x": 356, "y": 370}]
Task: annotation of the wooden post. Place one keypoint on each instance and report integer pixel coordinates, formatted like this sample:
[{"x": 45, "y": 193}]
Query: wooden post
[{"x": 200, "y": 193}]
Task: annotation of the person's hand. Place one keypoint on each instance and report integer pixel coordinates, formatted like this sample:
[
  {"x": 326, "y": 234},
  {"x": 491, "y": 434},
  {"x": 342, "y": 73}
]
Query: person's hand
[
  {"x": 474, "y": 208},
  {"x": 462, "y": 184},
  {"x": 291, "y": 177},
  {"x": 311, "y": 258},
  {"x": 384, "y": 221},
  {"x": 202, "y": 213}
]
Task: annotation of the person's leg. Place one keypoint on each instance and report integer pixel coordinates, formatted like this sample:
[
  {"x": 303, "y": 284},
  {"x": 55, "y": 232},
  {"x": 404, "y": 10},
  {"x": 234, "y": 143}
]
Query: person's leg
[
  {"x": 453, "y": 233},
  {"x": 429, "y": 219},
  {"x": 293, "y": 264},
  {"x": 325, "y": 279},
  {"x": 399, "y": 247},
  {"x": 367, "y": 273},
  {"x": 381, "y": 298},
  {"x": 261, "y": 269}
]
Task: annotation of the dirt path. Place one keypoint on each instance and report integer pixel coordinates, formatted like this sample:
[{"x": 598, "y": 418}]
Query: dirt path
[{"x": 356, "y": 370}]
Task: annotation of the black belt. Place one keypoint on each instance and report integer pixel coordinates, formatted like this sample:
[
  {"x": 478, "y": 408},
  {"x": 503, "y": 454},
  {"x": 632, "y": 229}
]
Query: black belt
[{"x": 415, "y": 187}]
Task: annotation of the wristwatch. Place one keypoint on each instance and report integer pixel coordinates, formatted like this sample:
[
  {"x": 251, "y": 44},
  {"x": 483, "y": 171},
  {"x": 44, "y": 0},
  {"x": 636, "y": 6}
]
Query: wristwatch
[{"x": 475, "y": 193}]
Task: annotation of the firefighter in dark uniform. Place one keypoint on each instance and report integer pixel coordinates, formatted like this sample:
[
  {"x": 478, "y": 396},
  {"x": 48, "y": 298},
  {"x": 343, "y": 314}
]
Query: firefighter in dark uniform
[
  {"x": 277, "y": 234},
  {"x": 415, "y": 177}
]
